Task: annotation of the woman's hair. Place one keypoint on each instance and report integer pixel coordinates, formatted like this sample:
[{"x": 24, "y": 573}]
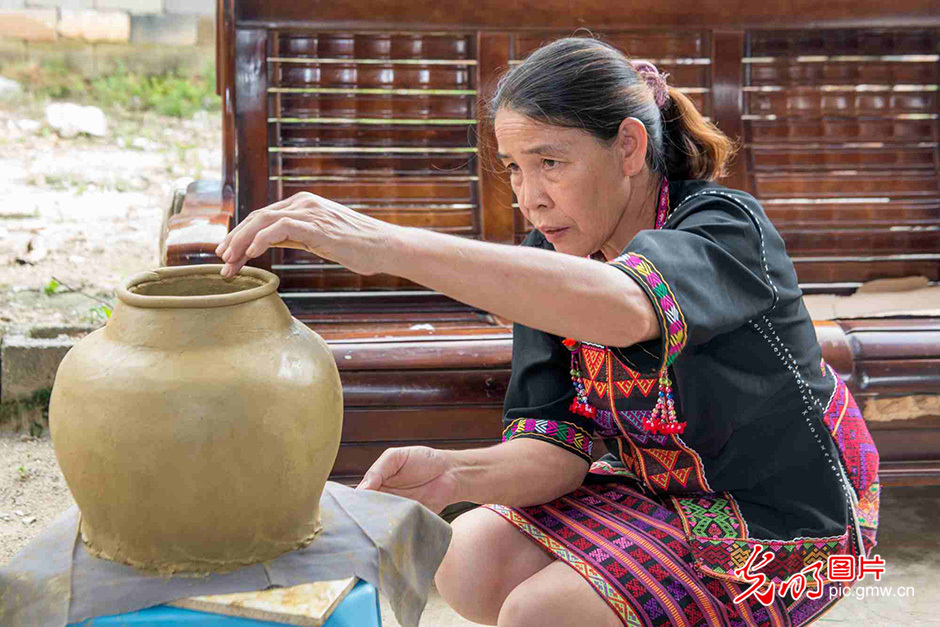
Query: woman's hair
[{"x": 590, "y": 85}]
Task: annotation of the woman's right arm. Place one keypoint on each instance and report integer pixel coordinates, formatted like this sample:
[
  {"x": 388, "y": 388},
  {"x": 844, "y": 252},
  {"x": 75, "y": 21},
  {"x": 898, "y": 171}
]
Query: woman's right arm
[{"x": 520, "y": 472}]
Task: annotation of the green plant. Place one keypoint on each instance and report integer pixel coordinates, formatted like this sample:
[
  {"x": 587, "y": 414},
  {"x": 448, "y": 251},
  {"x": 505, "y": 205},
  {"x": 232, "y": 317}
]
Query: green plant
[
  {"x": 48, "y": 79},
  {"x": 170, "y": 94},
  {"x": 167, "y": 94},
  {"x": 51, "y": 287},
  {"x": 100, "y": 313}
]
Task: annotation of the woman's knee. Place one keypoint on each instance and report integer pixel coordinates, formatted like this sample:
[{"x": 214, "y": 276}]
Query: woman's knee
[
  {"x": 486, "y": 559},
  {"x": 556, "y": 596}
]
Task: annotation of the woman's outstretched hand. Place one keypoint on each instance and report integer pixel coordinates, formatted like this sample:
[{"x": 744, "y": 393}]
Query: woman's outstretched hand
[
  {"x": 415, "y": 472},
  {"x": 318, "y": 225}
]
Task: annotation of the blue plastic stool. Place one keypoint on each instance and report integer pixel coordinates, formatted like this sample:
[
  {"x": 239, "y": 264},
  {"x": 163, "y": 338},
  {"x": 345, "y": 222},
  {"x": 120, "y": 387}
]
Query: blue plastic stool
[{"x": 360, "y": 608}]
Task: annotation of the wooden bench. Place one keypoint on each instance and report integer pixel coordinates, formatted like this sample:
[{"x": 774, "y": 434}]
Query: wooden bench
[{"x": 378, "y": 105}]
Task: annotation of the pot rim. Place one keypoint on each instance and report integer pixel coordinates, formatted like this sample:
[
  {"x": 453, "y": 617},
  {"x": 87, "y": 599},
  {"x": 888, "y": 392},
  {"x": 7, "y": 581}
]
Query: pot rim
[{"x": 269, "y": 286}]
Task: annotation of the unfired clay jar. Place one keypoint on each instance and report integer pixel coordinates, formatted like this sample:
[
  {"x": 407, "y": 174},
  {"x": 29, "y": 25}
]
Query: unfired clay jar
[{"x": 197, "y": 429}]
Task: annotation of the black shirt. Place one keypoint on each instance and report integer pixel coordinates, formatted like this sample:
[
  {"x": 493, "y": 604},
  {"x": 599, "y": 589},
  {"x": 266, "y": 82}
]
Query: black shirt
[{"x": 747, "y": 372}]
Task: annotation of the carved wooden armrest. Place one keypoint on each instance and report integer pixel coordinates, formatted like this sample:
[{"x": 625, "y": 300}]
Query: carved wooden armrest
[{"x": 196, "y": 223}]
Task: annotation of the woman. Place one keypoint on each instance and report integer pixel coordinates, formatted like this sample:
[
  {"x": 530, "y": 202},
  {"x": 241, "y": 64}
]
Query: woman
[{"x": 689, "y": 351}]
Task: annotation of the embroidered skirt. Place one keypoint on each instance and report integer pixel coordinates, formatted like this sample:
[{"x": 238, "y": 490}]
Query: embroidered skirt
[{"x": 631, "y": 548}]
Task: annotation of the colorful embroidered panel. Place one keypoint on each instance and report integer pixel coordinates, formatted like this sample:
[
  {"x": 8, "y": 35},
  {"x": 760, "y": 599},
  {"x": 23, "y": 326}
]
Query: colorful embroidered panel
[
  {"x": 868, "y": 503},
  {"x": 848, "y": 429},
  {"x": 629, "y": 383},
  {"x": 633, "y": 552},
  {"x": 663, "y": 462},
  {"x": 568, "y": 435},
  {"x": 718, "y": 538},
  {"x": 609, "y": 470},
  {"x": 603, "y": 375},
  {"x": 720, "y": 558},
  {"x": 714, "y": 516},
  {"x": 594, "y": 370},
  {"x": 673, "y": 470},
  {"x": 664, "y": 302},
  {"x": 604, "y": 424}
]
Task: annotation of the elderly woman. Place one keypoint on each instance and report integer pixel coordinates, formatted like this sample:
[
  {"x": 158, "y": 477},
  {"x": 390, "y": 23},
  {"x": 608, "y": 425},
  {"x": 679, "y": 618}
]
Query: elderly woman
[{"x": 654, "y": 309}]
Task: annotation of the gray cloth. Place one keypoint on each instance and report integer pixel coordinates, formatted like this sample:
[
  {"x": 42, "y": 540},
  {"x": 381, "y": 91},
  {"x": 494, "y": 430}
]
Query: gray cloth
[{"x": 393, "y": 543}]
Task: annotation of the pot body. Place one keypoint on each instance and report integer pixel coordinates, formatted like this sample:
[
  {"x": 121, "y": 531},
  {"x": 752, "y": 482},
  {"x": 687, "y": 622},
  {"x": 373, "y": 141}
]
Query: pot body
[{"x": 198, "y": 439}]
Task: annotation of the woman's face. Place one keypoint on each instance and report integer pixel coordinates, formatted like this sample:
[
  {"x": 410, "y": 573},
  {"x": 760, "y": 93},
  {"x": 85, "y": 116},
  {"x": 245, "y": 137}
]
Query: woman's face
[{"x": 571, "y": 186}]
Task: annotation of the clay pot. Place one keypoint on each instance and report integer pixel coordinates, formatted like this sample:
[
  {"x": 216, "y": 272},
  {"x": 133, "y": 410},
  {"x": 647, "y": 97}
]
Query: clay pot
[{"x": 197, "y": 429}]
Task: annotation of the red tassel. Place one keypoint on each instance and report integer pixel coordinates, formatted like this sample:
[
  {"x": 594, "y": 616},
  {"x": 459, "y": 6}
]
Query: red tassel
[
  {"x": 569, "y": 343},
  {"x": 581, "y": 409}
]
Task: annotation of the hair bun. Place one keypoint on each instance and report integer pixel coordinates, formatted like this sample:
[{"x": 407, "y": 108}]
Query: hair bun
[{"x": 654, "y": 80}]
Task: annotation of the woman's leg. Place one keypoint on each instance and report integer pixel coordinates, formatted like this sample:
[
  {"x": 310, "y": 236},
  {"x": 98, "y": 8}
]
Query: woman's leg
[
  {"x": 487, "y": 559},
  {"x": 556, "y": 596}
]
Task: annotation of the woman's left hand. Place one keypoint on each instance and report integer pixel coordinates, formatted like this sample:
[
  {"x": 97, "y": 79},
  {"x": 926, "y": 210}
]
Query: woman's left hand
[
  {"x": 322, "y": 227},
  {"x": 419, "y": 473}
]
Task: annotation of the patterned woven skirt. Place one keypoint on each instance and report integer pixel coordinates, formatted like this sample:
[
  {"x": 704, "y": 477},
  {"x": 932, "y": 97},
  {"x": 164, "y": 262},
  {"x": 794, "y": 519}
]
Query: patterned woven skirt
[{"x": 634, "y": 553}]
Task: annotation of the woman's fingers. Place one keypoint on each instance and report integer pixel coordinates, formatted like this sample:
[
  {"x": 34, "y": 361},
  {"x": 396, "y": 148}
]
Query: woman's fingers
[
  {"x": 265, "y": 214},
  {"x": 283, "y": 229},
  {"x": 385, "y": 467},
  {"x": 255, "y": 237},
  {"x": 326, "y": 228},
  {"x": 242, "y": 235},
  {"x": 231, "y": 235},
  {"x": 370, "y": 481}
]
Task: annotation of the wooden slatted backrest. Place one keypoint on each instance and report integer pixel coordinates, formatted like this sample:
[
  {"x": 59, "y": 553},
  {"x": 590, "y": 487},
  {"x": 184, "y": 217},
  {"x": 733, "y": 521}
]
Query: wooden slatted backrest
[
  {"x": 382, "y": 122},
  {"x": 842, "y": 149}
]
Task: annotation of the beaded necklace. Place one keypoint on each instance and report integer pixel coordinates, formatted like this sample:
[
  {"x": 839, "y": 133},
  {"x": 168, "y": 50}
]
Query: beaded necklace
[{"x": 663, "y": 419}]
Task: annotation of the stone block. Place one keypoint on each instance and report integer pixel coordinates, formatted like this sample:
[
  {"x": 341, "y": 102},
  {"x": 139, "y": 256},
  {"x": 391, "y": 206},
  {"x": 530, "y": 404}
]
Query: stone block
[
  {"x": 29, "y": 364},
  {"x": 190, "y": 7},
  {"x": 54, "y": 331},
  {"x": 29, "y": 24},
  {"x": 134, "y": 7},
  {"x": 169, "y": 30},
  {"x": 114, "y": 26}
]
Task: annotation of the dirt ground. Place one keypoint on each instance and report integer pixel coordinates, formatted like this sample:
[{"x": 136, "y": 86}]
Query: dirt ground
[
  {"x": 32, "y": 490},
  {"x": 87, "y": 212}
]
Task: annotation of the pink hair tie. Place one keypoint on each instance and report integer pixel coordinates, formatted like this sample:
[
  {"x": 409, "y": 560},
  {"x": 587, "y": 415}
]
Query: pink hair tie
[{"x": 654, "y": 80}]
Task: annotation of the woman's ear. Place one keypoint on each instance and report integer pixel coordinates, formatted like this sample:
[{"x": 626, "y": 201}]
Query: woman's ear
[{"x": 631, "y": 139}]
